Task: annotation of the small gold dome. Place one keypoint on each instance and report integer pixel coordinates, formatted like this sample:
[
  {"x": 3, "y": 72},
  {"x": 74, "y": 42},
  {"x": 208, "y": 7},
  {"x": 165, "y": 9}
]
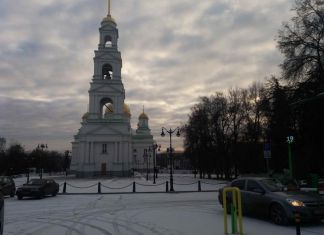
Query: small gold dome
[
  {"x": 126, "y": 110},
  {"x": 143, "y": 116},
  {"x": 108, "y": 18}
]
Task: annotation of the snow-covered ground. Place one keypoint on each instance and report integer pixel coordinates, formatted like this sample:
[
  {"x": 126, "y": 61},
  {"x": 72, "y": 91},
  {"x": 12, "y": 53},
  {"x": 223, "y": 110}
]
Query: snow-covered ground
[{"x": 142, "y": 213}]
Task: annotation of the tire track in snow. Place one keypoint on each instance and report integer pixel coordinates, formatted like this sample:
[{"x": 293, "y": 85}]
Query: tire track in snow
[
  {"x": 44, "y": 229},
  {"x": 103, "y": 231}
]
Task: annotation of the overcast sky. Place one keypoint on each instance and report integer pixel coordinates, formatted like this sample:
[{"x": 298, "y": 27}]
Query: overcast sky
[{"x": 173, "y": 52}]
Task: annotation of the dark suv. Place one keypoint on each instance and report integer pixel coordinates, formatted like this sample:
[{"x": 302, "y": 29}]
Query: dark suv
[
  {"x": 7, "y": 186},
  {"x": 264, "y": 197}
]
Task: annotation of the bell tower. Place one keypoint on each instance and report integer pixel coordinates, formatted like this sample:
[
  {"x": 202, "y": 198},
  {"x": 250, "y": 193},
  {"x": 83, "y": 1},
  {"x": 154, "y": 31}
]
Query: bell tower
[
  {"x": 106, "y": 88},
  {"x": 103, "y": 144},
  {"x": 106, "y": 144}
]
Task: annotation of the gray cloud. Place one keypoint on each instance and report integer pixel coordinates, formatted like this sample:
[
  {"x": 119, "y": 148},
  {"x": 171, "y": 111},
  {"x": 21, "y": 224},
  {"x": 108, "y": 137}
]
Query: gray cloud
[{"x": 173, "y": 52}]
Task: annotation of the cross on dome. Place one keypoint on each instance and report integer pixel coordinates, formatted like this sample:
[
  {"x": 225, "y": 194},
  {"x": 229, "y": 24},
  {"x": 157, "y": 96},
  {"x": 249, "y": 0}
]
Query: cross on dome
[
  {"x": 143, "y": 115},
  {"x": 109, "y": 7}
]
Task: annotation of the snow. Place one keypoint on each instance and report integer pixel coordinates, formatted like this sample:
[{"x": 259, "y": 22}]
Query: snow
[{"x": 131, "y": 213}]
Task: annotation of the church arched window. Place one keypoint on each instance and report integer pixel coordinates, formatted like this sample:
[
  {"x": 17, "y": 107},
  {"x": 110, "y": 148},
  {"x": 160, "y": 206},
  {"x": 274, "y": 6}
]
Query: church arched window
[
  {"x": 107, "y": 72},
  {"x": 108, "y": 41},
  {"x": 107, "y": 107}
]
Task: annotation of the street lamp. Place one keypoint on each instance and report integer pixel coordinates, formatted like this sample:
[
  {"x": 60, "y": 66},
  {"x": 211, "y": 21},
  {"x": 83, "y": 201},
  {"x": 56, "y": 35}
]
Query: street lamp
[
  {"x": 66, "y": 161},
  {"x": 148, "y": 158},
  {"x": 41, "y": 146},
  {"x": 135, "y": 160},
  {"x": 145, "y": 156},
  {"x": 154, "y": 147},
  {"x": 170, "y": 131}
]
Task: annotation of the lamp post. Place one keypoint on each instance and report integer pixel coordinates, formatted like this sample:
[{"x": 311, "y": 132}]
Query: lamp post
[
  {"x": 66, "y": 161},
  {"x": 170, "y": 131},
  {"x": 41, "y": 146},
  {"x": 135, "y": 160},
  {"x": 148, "y": 159},
  {"x": 145, "y": 156},
  {"x": 154, "y": 148}
]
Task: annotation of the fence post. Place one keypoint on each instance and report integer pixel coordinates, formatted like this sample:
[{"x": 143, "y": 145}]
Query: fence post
[
  {"x": 167, "y": 186},
  {"x": 99, "y": 187},
  {"x": 64, "y": 187},
  {"x": 297, "y": 220},
  {"x": 199, "y": 186},
  {"x": 134, "y": 187}
]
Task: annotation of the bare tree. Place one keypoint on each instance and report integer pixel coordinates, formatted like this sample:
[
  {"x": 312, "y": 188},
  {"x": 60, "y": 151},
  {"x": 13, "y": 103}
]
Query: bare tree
[{"x": 302, "y": 43}]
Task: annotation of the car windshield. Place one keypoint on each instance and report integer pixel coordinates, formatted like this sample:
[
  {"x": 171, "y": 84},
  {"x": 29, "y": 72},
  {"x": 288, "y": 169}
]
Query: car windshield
[
  {"x": 272, "y": 185},
  {"x": 36, "y": 181}
]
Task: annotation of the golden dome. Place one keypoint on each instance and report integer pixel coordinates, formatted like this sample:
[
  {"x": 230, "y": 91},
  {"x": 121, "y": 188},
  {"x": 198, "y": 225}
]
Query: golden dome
[
  {"x": 143, "y": 116},
  {"x": 110, "y": 109},
  {"x": 126, "y": 110},
  {"x": 108, "y": 18}
]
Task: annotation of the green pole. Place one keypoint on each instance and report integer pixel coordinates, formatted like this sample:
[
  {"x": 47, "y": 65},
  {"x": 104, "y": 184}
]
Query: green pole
[
  {"x": 290, "y": 160},
  {"x": 234, "y": 219},
  {"x": 290, "y": 140}
]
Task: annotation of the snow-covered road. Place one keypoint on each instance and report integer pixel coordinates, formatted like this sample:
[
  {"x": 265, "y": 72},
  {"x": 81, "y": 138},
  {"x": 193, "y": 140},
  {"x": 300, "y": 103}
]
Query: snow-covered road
[{"x": 159, "y": 213}]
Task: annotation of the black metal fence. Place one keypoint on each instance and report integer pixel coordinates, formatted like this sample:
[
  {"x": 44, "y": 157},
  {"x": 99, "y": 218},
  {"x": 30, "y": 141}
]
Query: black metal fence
[{"x": 197, "y": 186}]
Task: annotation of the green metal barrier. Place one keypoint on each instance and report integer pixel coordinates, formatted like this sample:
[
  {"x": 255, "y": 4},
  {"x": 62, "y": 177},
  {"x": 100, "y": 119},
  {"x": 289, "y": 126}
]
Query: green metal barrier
[{"x": 236, "y": 209}]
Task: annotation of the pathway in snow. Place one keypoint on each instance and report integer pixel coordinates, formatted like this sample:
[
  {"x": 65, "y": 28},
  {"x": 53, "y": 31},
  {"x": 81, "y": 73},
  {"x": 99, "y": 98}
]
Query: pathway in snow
[{"x": 152, "y": 214}]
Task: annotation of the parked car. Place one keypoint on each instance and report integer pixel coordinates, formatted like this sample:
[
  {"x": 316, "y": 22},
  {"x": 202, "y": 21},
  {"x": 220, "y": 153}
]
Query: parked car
[
  {"x": 321, "y": 186},
  {"x": 7, "y": 186},
  {"x": 38, "y": 188},
  {"x": 1, "y": 213},
  {"x": 265, "y": 197},
  {"x": 305, "y": 186}
]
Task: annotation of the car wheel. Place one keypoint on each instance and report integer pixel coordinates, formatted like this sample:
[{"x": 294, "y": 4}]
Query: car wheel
[
  {"x": 12, "y": 194},
  {"x": 54, "y": 194},
  {"x": 19, "y": 197},
  {"x": 278, "y": 215}
]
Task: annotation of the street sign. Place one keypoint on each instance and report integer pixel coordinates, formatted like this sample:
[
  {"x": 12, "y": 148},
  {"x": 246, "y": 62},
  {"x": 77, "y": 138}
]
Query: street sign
[{"x": 290, "y": 139}]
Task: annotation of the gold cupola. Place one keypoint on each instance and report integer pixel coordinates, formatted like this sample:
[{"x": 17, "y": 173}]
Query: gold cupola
[
  {"x": 110, "y": 110},
  {"x": 143, "y": 115}
]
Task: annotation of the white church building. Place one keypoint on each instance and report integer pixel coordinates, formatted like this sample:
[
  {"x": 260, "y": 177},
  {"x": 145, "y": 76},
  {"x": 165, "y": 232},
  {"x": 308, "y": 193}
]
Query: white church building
[{"x": 106, "y": 144}]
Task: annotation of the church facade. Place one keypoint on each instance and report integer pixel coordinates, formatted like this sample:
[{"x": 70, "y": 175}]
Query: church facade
[{"x": 106, "y": 144}]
